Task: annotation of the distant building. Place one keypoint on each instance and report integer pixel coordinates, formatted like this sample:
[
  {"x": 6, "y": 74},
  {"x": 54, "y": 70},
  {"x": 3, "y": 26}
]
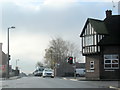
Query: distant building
[
  {"x": 3, "y": 62},
  {"x": 3, "y": 65},
  {"x": 101, "y": 47},
  {"x": 66, "y": 69}
]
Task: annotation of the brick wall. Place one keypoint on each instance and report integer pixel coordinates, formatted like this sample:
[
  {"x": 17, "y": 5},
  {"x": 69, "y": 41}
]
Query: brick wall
[
  {"x": 65, "y": 69},
  {"x": 109, "y": 74},
  {"x": 92, "y": 74}
]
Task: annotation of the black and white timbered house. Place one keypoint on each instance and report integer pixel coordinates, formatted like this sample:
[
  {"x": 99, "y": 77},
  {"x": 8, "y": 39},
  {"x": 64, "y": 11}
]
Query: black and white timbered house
[{"x": 101, "y": 47}]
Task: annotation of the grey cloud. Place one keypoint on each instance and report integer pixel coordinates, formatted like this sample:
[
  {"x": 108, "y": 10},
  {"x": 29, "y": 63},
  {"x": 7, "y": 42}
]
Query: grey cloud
[
  {"x": 66, "y": 22},
  {"x": 49, "y": 19}
]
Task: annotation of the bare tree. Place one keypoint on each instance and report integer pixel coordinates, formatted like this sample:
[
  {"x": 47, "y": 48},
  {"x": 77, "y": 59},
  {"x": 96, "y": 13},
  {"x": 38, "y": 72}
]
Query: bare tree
[
  {"x": 39, "y": 64},
  {"x": 58, "y": 51},
  {"x": 72, "y": 49}
]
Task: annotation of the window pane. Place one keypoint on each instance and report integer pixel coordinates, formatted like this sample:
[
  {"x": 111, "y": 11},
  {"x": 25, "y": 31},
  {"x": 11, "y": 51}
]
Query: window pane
[
  {"x": 95, "y": 49},
  {"x": 107, "y": 57},
  {"x": 98, "y": 48},
  {"x": 114, "y": 61},
  {"x": 91, "y": 62},
  {"x": 115, "y": 65},
  {"x": 108, "y": 65},
  {"x": 92, "y": 66},
  {"x": 92, "y": 48},
  {"x": 107, "y": 61},
  {"x": 115, "y": 57}
]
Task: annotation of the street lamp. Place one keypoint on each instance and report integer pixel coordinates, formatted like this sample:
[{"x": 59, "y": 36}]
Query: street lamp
[{"x": 7, "y": 74}]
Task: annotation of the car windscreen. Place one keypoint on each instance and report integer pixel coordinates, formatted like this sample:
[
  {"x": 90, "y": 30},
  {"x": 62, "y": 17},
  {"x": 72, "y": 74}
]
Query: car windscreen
[
  {"x": 48, "y": 70},
  {"x": 41, "y": 69}
]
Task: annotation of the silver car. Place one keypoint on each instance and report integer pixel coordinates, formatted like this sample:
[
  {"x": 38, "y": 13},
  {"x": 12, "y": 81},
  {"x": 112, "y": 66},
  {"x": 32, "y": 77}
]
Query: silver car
[{"x": 47, "y": 72}]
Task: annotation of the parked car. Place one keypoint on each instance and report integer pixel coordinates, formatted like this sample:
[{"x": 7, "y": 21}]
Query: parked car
[
  {"x": 48, "y": 72},
  {"x": 38, "y": 72},
  {"x": 80, "y": 72}
]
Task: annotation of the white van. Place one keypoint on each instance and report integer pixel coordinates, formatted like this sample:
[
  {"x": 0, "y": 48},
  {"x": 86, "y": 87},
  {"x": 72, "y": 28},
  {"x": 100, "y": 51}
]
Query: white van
[
  {"x": 80, "y": 72},
  {"x": 38, "y": 71}
]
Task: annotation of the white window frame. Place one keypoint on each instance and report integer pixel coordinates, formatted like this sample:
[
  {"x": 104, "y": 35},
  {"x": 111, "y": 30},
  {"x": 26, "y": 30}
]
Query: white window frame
[
  {"x": 92, "y": 63},
  {"x": 111, "y": 59}
]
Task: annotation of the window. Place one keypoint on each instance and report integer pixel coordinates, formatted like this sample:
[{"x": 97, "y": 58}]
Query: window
[
  {"x": 111, "y": 61},
  {"x": 88, "y": 40},
  {"x": 91, "y": 64}
]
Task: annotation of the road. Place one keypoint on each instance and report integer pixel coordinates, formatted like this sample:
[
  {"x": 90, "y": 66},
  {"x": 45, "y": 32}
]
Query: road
[{"x": 39, "y": 82}]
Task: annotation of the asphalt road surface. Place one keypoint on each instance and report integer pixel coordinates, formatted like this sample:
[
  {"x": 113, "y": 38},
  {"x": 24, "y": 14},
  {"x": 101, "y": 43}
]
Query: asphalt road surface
[{"x": 39, "y": 82}]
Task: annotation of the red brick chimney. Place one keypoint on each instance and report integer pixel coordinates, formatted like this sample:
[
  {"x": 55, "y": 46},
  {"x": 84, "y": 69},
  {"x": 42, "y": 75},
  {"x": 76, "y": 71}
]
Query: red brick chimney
[{"x": 108, "y": 13}]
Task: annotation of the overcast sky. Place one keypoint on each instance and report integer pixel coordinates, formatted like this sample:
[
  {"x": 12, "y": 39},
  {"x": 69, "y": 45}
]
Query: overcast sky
[{"x": 38, "y": 21}]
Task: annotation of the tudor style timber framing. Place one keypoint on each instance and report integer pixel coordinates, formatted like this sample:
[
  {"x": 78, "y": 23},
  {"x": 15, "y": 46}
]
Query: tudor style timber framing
[
  {"x": 91, "y": 36},
  {"x": 101, "y": 47}
]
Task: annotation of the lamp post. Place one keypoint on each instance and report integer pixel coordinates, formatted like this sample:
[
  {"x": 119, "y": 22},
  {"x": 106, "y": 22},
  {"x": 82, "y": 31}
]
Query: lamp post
[
  {"x": 8, "y": 56},
  {"x": 16, "y": 62}
]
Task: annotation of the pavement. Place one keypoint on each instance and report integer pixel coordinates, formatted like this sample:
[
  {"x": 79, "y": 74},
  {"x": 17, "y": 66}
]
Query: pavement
[
  {"x": 15, "y": 77},
  {"x": 111, "y": 83},
  {"x": 11, "y": 78}
]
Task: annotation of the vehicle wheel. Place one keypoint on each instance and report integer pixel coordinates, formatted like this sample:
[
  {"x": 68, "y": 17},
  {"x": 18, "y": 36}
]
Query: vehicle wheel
[
  {"x": 52, "y": 76},
  {"x": 43, "y": 76},
  {"x": 77, "y": 75}
]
